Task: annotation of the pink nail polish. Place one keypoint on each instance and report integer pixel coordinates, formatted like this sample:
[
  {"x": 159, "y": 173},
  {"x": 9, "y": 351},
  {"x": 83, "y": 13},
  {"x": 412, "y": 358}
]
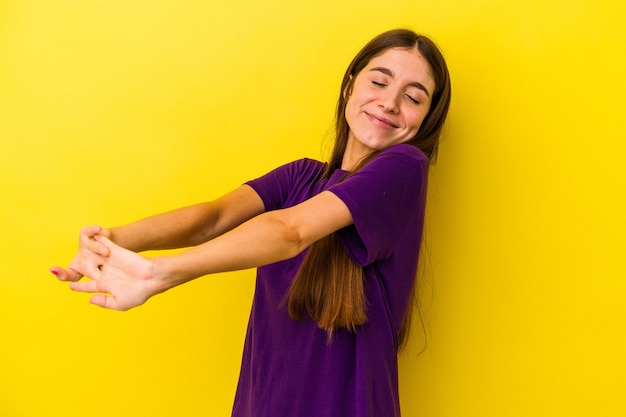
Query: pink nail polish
[{"x": 54, "y": 271}]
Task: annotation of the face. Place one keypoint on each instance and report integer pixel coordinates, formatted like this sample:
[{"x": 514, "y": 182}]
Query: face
[{"x": 390, "y": 98}]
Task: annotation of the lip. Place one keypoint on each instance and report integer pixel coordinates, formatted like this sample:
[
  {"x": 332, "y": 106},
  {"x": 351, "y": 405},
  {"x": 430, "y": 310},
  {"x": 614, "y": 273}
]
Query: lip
[{"x": 381, "y": 121}]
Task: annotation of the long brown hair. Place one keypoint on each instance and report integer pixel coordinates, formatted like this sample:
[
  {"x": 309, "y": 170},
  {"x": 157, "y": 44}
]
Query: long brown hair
[{"x": 329, "y": 285}]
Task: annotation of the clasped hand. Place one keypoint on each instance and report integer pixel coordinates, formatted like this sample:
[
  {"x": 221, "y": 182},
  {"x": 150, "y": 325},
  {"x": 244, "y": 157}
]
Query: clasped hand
[{"x": 121, "y": 279}]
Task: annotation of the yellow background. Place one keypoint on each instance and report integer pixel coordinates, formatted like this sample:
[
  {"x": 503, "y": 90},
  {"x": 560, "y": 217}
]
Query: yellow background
[{"x": 113, "y": 110}]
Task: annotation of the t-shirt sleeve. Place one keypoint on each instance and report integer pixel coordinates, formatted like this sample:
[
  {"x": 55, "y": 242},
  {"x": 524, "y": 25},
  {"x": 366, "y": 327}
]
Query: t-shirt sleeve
[
  {"x": 276, "y": 187},
  {"x": 381, "y": 197}
]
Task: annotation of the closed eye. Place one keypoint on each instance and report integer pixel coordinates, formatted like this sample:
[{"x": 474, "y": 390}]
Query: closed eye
[
  {"x": 413, "y": 99},
  {"x": 379, "y": 84}
]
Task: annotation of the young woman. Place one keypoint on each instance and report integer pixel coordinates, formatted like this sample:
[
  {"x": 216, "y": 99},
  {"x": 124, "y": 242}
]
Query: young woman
[{"x": 336, "y": 245}]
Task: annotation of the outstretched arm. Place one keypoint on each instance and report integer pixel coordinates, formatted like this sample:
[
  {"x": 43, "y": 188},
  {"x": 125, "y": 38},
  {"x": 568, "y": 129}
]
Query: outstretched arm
[
  {"x": 125, "y": 279},
  {"x": 190, "y": 226},
  {"x": 183, "y": 227}
]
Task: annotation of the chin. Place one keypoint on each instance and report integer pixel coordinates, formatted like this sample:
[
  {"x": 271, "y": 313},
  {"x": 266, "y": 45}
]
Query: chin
[{"x": 380, "y": 146}]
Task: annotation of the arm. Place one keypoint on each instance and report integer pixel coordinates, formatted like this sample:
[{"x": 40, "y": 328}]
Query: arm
[
  {"x": 184, "y": 227},
  {"x": 131, "y": 279},
  {"x": 189, "y": 226}
]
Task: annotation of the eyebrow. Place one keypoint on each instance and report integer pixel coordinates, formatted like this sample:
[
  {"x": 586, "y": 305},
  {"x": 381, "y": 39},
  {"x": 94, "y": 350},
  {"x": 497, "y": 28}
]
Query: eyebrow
[{"x": 415, "y": 84}]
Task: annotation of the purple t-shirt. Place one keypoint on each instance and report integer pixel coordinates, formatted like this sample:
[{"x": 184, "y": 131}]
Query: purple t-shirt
[{"x": 288, "y": 368}]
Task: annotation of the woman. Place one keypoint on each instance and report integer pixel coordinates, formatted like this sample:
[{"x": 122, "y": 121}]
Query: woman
[{"x": 336, "y": 245}]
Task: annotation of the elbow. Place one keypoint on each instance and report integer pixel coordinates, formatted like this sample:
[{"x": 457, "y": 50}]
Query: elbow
[{"x": 292, "y": 238}]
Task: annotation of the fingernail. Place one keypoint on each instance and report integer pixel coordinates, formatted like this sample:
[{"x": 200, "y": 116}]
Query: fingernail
[{"x": 54, "y": 271}]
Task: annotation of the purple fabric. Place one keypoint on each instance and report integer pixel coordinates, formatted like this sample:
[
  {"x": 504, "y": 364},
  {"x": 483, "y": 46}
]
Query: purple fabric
[{"x": 288, "y": 368}]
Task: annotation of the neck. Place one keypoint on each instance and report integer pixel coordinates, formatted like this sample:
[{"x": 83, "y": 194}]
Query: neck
[{"x": 355, "y": 153}]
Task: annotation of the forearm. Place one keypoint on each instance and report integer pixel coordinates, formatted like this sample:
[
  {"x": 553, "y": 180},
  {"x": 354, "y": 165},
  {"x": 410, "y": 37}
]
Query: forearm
[
  {"x": 260, "y": 241},
  {"x": 184, "y": 227},
  {"x": 190, "y": 226}
]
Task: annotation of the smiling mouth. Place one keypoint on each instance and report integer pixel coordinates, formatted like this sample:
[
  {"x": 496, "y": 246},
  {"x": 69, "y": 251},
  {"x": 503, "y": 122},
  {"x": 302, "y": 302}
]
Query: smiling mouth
[{"x": 381, "y": 121}]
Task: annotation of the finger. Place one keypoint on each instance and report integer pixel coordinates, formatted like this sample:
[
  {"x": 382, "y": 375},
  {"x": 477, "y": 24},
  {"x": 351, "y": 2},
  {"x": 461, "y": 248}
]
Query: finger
[
  {"x": 68, "y": 274},
  {"x": 90, "y": 231},
  {"x": 91, "y": 267},
  {"x": 96, "y": 247},
  {"x": 84, "y": 286},
  {"x": 105, "y": 232},
  {"x": 87, "y": 240},
  {"x": 105, "y": 301},
  {"x": 106, "y": 243}
]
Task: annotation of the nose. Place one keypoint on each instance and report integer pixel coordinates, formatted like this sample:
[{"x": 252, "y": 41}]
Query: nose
[{"x": 389, "y": 103}]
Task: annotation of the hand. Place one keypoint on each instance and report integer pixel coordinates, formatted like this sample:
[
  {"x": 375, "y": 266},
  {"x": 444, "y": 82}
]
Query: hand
[
  {"x": 90, "y": 254},
  {"x": 123, "y": 279}
]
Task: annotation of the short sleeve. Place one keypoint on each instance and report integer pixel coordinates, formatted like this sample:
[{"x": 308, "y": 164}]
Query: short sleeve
[
  {"x": 382, "y": 197},
  {"x": 281, "y": 187}
]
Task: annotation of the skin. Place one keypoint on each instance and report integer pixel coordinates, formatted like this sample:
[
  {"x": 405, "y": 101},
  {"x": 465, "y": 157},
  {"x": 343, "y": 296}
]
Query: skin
[
  {"x": 123, "y": 279},
  {"x": 389, "y": 100}
]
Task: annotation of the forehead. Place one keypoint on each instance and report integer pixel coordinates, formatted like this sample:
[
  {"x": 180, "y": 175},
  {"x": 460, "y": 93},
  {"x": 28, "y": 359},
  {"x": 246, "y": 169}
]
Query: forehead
[{"x": 407, "y": 65}]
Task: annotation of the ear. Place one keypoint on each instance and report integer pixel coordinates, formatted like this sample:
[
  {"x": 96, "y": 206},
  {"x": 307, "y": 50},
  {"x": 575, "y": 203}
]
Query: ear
[{"x": 347, "y": 92}]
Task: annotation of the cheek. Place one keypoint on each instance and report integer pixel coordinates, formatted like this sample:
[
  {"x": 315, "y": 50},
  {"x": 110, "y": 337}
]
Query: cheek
[
  {"x": 351, "y": 111},
  {"x": 358, "y": 101},
  {"x": 417, "y": 119},
  {"x": 415, "y": 122},
  {"x": 348, "y": 113}
]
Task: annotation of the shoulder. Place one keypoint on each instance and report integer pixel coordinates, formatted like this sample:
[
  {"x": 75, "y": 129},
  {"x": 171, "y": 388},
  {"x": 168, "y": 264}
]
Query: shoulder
[
  {"x": 304, "y": 169},
  {"x": 398, "y": 161},
  {"x": 307, "y": 164},
  {"x": 394, "y": 171},
  {"x": 403, "y": 152},
  {"x": 297, "y": 168},
  {"x": 279, "y": 187},
  {"x": 303, "y": 164}
]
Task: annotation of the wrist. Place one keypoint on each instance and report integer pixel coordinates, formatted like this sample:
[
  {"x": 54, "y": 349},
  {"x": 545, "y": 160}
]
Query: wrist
[
  {"x": 165, "y": 273},
  {"x": 160, "y": 274}
]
